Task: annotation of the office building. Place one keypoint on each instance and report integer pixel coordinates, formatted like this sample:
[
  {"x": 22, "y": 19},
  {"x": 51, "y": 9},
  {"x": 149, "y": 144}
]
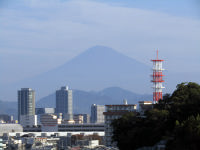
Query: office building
[
  {"x": 50, "y": 122},
  {"x": 26, "y": 102},
  {"x": 97, "y": 113},
  {"x": 86, "y": 118},
  {"x": 41, "y": 111},
  {"x": 64, "y": 103},
  {"x": 115, "y": 112},
  {"x": 28, "y": 120},
  {"x": 78, "y": 118}
]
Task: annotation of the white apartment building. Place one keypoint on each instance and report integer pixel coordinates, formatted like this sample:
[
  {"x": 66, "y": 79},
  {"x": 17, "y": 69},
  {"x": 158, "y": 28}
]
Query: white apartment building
[{"x": 115, "y": 112}]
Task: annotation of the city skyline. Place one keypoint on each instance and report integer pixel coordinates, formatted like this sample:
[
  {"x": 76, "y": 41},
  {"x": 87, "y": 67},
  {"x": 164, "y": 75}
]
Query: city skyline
[
  {"x": 43, "y": 35},
  {"x": 102, "y": 49}
]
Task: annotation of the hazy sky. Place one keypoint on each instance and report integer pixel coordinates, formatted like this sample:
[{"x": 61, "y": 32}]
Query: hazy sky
[{"x": 37, "y": 35}]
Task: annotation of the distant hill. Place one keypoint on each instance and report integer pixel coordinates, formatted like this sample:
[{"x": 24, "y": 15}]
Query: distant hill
[
  {"x": 94, "y": 69},
  {"x": 83, "y": 100},
  {"x": 9, "y": 108}
]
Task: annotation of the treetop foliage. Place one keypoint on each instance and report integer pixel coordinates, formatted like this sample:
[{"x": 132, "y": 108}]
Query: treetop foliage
[{"x": 174, "y": 119}]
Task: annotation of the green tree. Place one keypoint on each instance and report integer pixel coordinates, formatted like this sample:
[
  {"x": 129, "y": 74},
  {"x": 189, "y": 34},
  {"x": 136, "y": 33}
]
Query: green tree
[
  {"x": 132, "y": 132},
  {"x": 187, "y": 135},
  {"x": 170, "y": 119}
]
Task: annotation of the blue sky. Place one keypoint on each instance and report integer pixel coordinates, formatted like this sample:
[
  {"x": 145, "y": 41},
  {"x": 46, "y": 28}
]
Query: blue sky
[
  {"x": 186, "y": 8},
  {"x": 38, "y": 35}
]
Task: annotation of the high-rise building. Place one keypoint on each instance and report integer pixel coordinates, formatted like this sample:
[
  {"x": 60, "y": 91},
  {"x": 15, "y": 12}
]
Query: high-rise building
[
  {"x": 26, "y": 102},
  {"x": 64, "y": 103},
  {"x": 97, "y": 113}
]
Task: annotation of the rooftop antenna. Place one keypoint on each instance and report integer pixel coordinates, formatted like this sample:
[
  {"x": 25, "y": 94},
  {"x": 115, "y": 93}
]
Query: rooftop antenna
[{"x": 157, "y": 54}]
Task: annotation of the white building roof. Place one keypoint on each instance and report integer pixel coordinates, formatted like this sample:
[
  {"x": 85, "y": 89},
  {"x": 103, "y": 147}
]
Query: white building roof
[{"x": 6, "y": 128}]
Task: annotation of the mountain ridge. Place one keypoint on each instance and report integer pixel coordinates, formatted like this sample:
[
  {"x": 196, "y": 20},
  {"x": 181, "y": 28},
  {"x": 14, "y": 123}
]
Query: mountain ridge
[
  {"x": 94, "y": 69},
  {"x": 82, "y": 100}
]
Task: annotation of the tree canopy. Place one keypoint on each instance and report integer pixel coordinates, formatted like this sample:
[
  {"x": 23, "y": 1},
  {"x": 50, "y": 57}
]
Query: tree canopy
[{"x": 174, "y": 119}]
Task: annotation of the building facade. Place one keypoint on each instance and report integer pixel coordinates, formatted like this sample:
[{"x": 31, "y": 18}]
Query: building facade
[
  {"x": 78, "y": 118},
  {"x": 26, "y": 102},
  {"x": 115, "y": 112},
  {"x": 64, "y": 103},
  {"x": 86, "y": 117},
  {"x": 41, "y": 111},
  {"x": 145, "y": 106},
  {"x": 97, "y": 113},
  {"x": 90, "y": 127},
  {"x": 50, "y": 122},
  {"x": 10, "y": 128},
  {"x": 28, "y": 120}
]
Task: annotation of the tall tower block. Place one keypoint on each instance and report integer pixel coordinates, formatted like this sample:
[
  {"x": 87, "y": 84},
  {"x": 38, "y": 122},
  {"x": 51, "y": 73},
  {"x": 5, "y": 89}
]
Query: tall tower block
[
  {"x": 64, "y": 103},
  {"x": 157, "y": 79},
  {"x": 26, "y": 103}
]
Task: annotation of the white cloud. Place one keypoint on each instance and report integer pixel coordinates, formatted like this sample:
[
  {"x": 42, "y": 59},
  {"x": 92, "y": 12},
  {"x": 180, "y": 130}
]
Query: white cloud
[{"x": 36, "y": 27}]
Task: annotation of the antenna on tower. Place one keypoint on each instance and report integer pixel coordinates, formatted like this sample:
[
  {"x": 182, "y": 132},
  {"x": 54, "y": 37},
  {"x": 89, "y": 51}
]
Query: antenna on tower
[
  {"x": 157, "y": 54},
  {"x": 157, "y": 79}
]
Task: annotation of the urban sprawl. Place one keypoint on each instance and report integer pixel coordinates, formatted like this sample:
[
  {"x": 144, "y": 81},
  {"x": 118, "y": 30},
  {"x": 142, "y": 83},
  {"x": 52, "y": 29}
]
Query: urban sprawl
[{"x": 59, "y": 128}]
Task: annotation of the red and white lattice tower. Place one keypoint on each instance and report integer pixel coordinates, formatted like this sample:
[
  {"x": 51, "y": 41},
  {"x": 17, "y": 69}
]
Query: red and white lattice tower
[{"x": 157, "y": 79}]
